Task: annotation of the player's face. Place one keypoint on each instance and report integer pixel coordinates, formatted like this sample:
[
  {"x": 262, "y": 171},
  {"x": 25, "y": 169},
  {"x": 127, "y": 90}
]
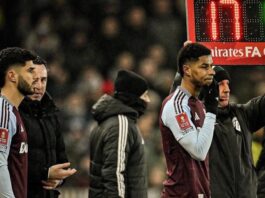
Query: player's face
[
  {"x": 224, "y": 93},
  {"x": 201, "y": 71},
  {"x": 25, "y": 78},
  {"x": 40, "y": 82}
]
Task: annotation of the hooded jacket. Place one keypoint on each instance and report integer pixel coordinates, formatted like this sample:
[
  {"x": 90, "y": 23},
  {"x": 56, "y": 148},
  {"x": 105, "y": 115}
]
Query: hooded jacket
[
  {"x": 117, "y": 167},
  {"x": 232, "y": 174},
  {"x": 45, "y": 143}
]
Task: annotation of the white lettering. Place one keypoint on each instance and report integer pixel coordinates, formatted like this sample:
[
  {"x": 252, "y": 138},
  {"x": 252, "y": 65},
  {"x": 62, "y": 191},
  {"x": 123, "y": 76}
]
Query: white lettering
[
  {"x": 23, "y": 148},
  {"x": 227, "y": 52},
  {"x": 250, "y": 51},
  {"x": 256, "y": 52}
]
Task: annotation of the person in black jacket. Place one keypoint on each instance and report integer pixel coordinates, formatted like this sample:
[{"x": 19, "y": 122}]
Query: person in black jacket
[
  {"x": 48, "y": 164},
  {"x": 232, "y": 173},
  {"x": 118, "y": 167},
  {"x": 260, "y": 168}
]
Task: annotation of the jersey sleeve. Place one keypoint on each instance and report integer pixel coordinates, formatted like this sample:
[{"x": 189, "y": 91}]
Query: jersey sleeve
[
  {"x": 196, "y": 141},
  {"x": 5, "y": 184},
  {"x": 7, "y": 130},
  {"x": 179, "y": 123}
]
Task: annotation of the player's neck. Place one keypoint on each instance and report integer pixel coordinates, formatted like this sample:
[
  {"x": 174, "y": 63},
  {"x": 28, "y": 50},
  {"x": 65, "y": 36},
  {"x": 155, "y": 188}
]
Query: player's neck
[
  {"x": 190, "y": 87},
  {"x": 12, "y": 94}
]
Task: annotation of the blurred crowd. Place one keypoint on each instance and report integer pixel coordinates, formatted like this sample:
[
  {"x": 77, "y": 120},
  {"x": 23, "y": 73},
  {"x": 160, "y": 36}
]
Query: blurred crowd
[{"x": 86, "y": 42}]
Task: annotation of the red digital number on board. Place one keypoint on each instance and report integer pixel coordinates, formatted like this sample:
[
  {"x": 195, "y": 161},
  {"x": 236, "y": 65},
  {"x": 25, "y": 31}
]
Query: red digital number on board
[
  {"x": 213, "y": 10},
  {"x": 234, "y": 30}
]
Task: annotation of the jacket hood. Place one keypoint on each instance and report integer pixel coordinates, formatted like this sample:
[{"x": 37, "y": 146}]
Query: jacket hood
[{"x": 107, "y": 106}]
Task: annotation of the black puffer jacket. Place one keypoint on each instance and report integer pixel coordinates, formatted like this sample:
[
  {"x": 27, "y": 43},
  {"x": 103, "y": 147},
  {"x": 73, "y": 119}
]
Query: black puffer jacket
[
  {"x": 118, "y": 166},
  {"x": 232, "y": 174},
  {"x": 45, "y": 141}
]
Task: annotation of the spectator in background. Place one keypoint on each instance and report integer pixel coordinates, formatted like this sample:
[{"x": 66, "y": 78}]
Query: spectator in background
[
  {"x": 80, "y": 53},
  {"x": 118, "y": 167},
  {"x": 47, "y": 157},
  {"x": 110, "y": 43},
  {"x": 16, "y": 81},
  {"x": 59, "y": 84},
  {"x": 185, "y": 128},
  {"x": 136, "y": 35},
  {"x": 158, "y": 54},
  {"x": 125, "y": 60},
  {"x": 43, "y": 39},
  {"x": 166, "y": 28},
  {"x": 149, "y": 70}
]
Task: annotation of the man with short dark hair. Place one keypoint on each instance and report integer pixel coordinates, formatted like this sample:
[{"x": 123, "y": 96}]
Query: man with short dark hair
[
  {"x": 186, "y": 129},
  {"x": 16, "y": 81},
  {"x": 232, "y": 173},
  {"x": 48, "y": 164},
  {"x": 118, "y": 167}
]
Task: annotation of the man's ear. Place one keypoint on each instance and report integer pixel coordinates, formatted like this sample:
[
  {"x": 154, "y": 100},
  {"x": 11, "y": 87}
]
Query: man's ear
[
  {"x": 12, "y": 75},
  {"x": 186, "y": 70}
]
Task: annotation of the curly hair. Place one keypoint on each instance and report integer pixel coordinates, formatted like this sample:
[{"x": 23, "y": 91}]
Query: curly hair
[
  {"x": 191, "y": 52},
  {"x": 13, "y": 56}
]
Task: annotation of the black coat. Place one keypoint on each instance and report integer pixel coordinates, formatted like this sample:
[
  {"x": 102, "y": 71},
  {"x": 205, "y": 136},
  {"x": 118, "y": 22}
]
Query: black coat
[
  {"x": 45, "y": 143},
  {"x": 261, "y": 172},
  {"x": 232, "y": 174},
  {"x": 118, "y": 166}
]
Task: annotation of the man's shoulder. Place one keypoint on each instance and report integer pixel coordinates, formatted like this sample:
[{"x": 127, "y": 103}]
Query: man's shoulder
[
  {"x": 176, "y": 102},
  {"x": 116, "y": 120},
  {"x": 6, "y": 108},
  {"x": 4, "y": 103}
]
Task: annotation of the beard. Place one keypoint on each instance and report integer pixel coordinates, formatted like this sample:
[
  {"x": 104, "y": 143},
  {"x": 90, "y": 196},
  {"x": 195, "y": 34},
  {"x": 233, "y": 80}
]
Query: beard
[
  {"x": 201, "y": 82},
  {"x": 23, "y": 87},
  {"x": 197, "y": 83}
]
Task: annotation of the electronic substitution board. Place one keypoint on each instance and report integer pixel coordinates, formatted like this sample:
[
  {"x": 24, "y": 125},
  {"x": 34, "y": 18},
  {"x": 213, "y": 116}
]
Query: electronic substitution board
[{"x": 232, "y": 29}]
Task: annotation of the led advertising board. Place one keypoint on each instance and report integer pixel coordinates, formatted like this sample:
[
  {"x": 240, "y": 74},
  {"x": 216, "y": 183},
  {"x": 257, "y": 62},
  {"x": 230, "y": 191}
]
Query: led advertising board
[{"x": 232, "y": 29}]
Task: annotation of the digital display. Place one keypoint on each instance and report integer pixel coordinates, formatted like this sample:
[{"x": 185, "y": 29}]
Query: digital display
[
  {"x": 233, "y": 29},
  {"x": 229, "y": 20}
]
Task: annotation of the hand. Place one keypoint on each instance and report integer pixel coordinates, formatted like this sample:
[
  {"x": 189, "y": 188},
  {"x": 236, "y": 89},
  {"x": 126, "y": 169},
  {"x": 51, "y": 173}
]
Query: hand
[
  {"x": 210, "y": 95},
  {"x": 50, "y": 184},
  {"x": 187, "y": 42},
  {"x": 60, "y": 171}
]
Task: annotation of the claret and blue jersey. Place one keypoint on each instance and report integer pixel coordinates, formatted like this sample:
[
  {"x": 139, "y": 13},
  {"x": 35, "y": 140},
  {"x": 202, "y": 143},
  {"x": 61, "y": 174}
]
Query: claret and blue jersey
[{"x": 13, "y": 152}]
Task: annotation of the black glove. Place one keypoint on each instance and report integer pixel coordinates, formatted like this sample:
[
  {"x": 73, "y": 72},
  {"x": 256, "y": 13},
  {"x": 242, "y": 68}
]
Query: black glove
[{"x": 210, "y": 96}]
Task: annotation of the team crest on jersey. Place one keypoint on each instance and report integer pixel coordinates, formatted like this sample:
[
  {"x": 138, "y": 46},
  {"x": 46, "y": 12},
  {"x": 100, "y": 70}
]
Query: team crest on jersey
[
  {"x": 183, "y": 121},
  {"x": 3, "y": 139}
]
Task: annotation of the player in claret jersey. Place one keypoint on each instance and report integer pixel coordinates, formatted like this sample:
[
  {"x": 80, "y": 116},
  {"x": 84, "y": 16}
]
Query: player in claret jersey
[
  {"x": 16, "y": 80},
  {"x": 186, "y": 129}
]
